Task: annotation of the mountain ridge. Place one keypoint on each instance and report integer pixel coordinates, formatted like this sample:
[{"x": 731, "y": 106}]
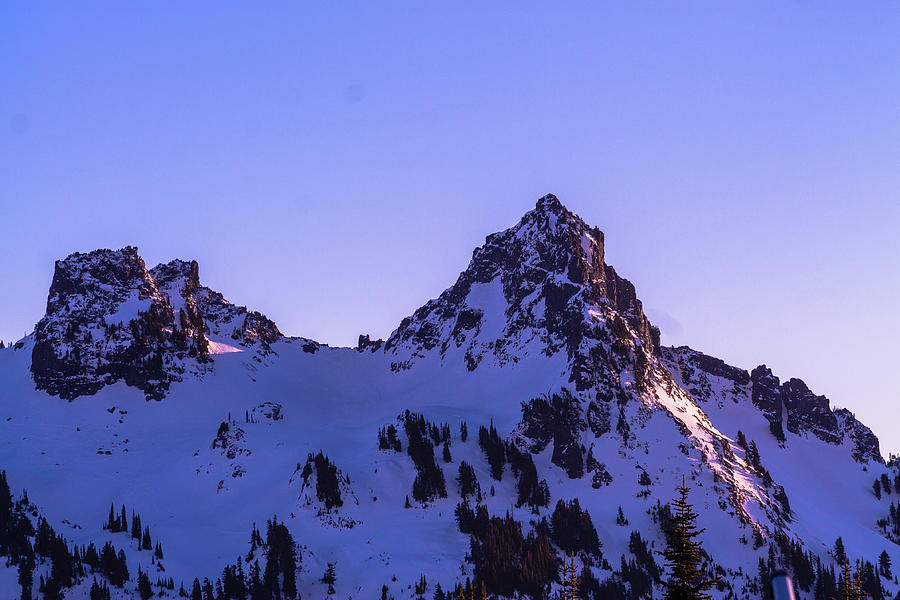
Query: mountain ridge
[{"x": 539, "y": 341}]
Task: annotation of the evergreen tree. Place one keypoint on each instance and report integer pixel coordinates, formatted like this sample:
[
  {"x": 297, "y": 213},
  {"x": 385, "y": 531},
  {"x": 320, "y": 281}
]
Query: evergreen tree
[
  {"x": 329, "y": 578},
  {"x": 840, "y": 555},
  {"x": 143, "y": 585},
  {"x": 447, "y": 457},
  {"x": 26, "y": 574},
  {"x": 468, "y": 482},
  {"x": 136, "y": 526},
  {"x": 240, "y": 582},
  {"x": 254, "y": 582},
  {"x": 620, "y": 518},
  {"x": 112, "y": 523},
  {"x": 463, "y": 431},
  {"x": 765, "y": 583},
  {"x": 51, "y": 590},
  {"x": 847, "y": 588},
  {"x": 753, "y": 455},
  {"x": 279, "y": 578},
  {"x": 146, "y": 543},
  {"x": 99, "y": 591},
  {"x": 494, "y": 448},
  {"x": 884, "y": 564},
  {"x": 530, "y": 490},
  {"x": 208, "y": 593},
  {"x": 684, "y": 553}
]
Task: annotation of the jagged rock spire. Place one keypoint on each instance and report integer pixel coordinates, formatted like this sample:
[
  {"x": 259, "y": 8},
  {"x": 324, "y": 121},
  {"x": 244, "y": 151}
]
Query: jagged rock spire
[{"x": 541, "y": 275}]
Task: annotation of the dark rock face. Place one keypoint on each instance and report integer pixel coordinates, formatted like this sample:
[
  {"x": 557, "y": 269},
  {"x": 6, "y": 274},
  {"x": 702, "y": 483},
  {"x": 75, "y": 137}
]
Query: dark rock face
[
  {"x": 805, "y": 411},
  {"x": 623, "y": 298},
  {"x": 716, "y": 366},
  {"x": 865, "y": 443},
  {"x": 109, "y": 318},
  {"x": 544, "y": 274},
  {"x": 766, "y": 393},
  {"x": 367, "y": 344},
  {"x": 808, "y": 412}
]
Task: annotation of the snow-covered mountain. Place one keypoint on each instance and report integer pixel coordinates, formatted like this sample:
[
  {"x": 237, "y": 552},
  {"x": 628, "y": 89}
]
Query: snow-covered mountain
[{"x": 537, "y": 372}]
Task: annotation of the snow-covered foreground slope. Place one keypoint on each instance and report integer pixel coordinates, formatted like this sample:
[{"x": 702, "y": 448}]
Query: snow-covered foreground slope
[{"x": 205, "y": 417}]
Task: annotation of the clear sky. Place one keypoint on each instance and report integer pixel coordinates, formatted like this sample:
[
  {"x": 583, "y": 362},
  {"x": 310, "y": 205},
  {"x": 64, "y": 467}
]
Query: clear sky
[{"x": 335, "y": 168}]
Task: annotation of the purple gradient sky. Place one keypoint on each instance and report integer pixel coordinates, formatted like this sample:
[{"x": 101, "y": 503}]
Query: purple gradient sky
[{"x": 335, "y": 170}]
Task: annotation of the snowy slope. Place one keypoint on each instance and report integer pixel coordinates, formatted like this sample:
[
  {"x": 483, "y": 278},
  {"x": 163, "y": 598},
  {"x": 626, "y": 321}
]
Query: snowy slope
[{"x": 538, "y": 312}]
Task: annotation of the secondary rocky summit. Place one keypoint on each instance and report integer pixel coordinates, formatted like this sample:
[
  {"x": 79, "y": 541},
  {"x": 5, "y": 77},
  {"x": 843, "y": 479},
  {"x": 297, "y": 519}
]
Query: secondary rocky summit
[{"x": 109, "y": 318}]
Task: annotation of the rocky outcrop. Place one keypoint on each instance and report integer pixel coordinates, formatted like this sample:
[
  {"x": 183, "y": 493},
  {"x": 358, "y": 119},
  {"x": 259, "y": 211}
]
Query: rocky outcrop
[
  {"x": 793, "y": 402},
  {"x": 365, "y": 344},
  {"x": 256, "y": 327},
  {"x": 180, "y": 280},
  {"x": 766, "y": 394},
  {"x": 809, "y": 412},
  {"x": 865, "y": 443},
  {"x": 109, "y": 318},
  {"x": 623, "y": 298},
  {"x": 106, "y": 321}
]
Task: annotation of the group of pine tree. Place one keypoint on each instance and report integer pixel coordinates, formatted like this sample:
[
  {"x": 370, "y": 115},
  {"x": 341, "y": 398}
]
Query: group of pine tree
[
  {"x": 505, "y": 560},
  {"x": 271, "y": 575},
  {"x": 887, "y": 488},
  {"x": 423, "y": 437},
  {"x": 27, "y": 545},
  {"x": 118, "y": 523}
]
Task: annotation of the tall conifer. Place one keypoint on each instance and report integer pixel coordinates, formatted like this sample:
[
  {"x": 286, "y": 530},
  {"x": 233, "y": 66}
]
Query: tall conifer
[{"x": 684, "y": 553}]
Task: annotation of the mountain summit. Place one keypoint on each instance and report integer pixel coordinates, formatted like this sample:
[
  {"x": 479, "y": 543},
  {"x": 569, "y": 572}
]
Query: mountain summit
[
  {"x": 529, "y": 287},
  {"x": 527, "y": 412}
]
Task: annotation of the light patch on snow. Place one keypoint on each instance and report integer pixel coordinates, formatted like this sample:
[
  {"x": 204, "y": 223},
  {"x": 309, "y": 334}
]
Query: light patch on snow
[
  {"x": 222, "y": 348},
  {"x": 489, "y": 298},
  {"x": 128, "y": 310},
  {"x": 596, "y": 314},
  {"x": 588, "y": 244}
]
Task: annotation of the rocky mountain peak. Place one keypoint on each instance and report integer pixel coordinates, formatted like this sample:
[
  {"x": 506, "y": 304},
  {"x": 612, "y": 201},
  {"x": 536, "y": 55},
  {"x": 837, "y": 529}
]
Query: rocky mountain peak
[
  {"x": 554, "y": 240},
  {"x": 532, "y": 283},
  {"x": 109, "y": 318},
  {"x": 101, "y": 272}
]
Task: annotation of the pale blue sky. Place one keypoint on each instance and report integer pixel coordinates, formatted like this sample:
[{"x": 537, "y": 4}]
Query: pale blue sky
[{"x": 335, "y": 168}]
